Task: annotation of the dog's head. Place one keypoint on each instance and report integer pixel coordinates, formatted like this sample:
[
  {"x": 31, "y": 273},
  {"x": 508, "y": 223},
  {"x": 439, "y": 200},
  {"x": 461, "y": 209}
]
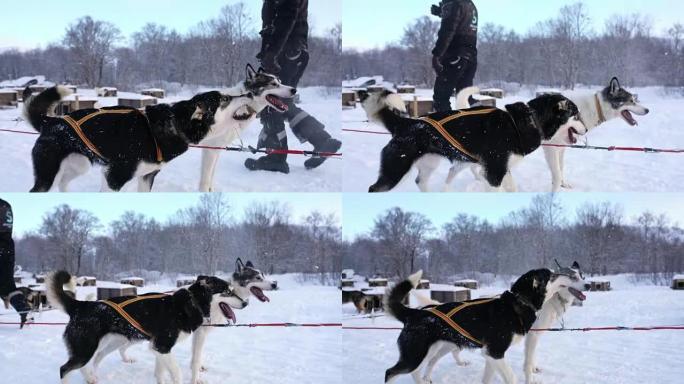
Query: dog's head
[
  {"x": 534, "y": 287},
  {"x": 570, "y": 282},
  {"x": 223, "y": 297},
  {"x": 559, "y": 119},
  {"x": 374, "y": 102},
  {"x": 267, "y": 89},
  {"x": 250, "y": 280},
  {"x": 622, "y": 103}
]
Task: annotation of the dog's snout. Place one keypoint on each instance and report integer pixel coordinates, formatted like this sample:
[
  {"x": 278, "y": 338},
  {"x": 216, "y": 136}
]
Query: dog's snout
[
  {"x": 294, "y": 91},
  {"x": 274, "y": 285},
  {"x": 587, "y": 287},
  {"x": 244, "y": 304},
  {"x": 646, "y": 111}
]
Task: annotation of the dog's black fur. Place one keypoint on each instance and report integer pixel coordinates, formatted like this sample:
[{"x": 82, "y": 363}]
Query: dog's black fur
[
  {"x": 492, "y": 138},
  {"x": 164, "y": 318},
  {"x": 124, "y": 140},
  {"x": 495, "y": 323}
]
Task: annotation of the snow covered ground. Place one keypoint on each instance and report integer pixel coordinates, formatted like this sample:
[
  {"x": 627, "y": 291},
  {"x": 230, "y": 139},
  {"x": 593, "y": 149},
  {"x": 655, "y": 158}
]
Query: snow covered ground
[
  {"x": 613, "y": 357},
  {"x": 183, "y": 173},
  {"x": 232, "y": 355},
  {"x": 586, "y": 170}
]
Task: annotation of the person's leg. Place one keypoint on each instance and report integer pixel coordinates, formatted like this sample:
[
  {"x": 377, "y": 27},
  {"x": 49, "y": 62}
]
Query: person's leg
[
  {"x": 273, "y": 136},
  {"x": 456, "y": 75},
  {"x": 467, "y": 76}
]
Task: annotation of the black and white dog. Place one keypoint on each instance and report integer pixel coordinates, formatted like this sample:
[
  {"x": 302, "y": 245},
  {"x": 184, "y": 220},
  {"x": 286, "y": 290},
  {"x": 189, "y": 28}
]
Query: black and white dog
[
  {"x": 268, "y": 91},
  {"x": 492, "y": 324},
  {"x": 570, "y": 290},
  {"x": 164, "y": 320},
  {"x": 595, "y": 109},
  {"x": 493, "y": 138},
  {"x": 127, "y": 142}
]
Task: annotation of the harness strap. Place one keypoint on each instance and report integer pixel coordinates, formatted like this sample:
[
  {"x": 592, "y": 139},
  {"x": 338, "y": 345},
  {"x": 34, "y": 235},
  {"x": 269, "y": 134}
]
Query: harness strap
[
  {"x": 447, "y": 317},
  {"x": 76, "y": 126},
  {"x": 119, "y": 308},
  {"x": 599, "y": 109},
  {"x": 439, "y": 126}
]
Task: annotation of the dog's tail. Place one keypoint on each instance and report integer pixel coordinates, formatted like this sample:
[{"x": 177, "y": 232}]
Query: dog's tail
[
  {"x": 463, "y": 97},
  {"x": 38, "y": 106},
  {"x": 393, "y": 299},
  {"x": 55, "y": 291}
]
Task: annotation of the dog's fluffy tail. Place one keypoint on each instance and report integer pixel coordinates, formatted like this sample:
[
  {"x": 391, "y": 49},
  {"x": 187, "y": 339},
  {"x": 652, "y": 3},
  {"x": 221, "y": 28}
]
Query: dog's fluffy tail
[
  {"x": 393, "y": 299},
  {"x": 37, "y": 107},
  {"x": 463, "y": 96},
  {"x": 55, "y": 283}
]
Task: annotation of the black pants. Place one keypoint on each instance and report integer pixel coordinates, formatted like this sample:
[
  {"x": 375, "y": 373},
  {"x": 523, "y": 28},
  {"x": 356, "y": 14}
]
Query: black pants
[
  {"x": 7, "y": 285},
  {"x": 456, "y": 75},
  {"x": 304, "y": 126}
]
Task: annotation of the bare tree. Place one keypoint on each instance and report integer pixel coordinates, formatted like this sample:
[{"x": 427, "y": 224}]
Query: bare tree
[
  {"x": 420, "y": 37},
  {"x": 69, "y": 232},
  {"x": 91, "y": 43}
]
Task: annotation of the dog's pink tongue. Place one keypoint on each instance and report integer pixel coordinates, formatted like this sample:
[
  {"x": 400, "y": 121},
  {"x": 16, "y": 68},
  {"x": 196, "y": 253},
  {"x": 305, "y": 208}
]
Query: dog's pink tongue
[
  {"x": 256, "y": 291},
  {"x": 228, "y": 312},
  {"x": 579, "y": 295}
]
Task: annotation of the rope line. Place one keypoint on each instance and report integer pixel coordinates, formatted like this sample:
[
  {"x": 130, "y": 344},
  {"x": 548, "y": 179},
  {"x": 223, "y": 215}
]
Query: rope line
[
  {"x": 585, "y": 329},
  {"x": 248, "y": 325}
]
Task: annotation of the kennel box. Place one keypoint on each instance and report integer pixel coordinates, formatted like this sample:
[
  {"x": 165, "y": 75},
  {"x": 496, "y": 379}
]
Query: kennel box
[
  {"x": 377, "y": 282},
  {"x": 183, "y": 281},
  {"x": 467, "y": 283},
  {"x": 74, "y": 103},
  {"x": 600, "y": 285},
  {"x": 107, "y": 92},
  {"x": 493, "y": 92},
  {"x": 347, "y": 283},
  {"x": 374, "y": 300},
  {"x": 678, "y": 282},
  {"x": 9, "y": 98},
  {"x": 485, "y": 101},
  {"x": 40, "y": 279},
  {"x": 86, "y": 281},
  {"x": 375, "y": 88},
  {"x": 139, "y": 102},
  {"x": 109, "y": 291},
  {"x": 38, "y": 88},
  {"x": 424, "y": 284},
  {"x": 450, "y": 294},
  {"x": 348, "y": 99},
  {"x": 406, "y": 89},
  {"x": 134, "y": 281},
  {"x": 417, "y": 107},
  {"x": 154, "y": 92}
]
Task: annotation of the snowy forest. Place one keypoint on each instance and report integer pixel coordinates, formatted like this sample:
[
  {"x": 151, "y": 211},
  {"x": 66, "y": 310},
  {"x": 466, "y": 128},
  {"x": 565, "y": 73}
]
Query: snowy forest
[
  {"x": 564, "y": 51},
  {"x": 597, "y": 235},
  {"x": 214, "y": 53},
  {"x": 205, "y": 238}
]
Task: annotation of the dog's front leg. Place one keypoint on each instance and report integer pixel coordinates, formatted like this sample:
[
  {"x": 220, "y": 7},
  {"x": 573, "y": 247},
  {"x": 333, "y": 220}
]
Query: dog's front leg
[
  {"x": 552, "y": 156},
  {"x": 198, "y": 339},
  {"x": 561, "y": 159},
  {"x": 445, "y": 349},
  {"x": 209, "y": 159},
  {"x": 530, "y": 365},
  {"x": 504, "y": 370},
  {"x": 167, "y": 362}
]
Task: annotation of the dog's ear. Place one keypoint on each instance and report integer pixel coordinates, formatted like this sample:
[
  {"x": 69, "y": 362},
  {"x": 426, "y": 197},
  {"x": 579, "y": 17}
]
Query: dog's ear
[
  {"x": 575, "y": 265},
  {"x": 363, "y": 95},
  {"x": 249, "y": 264},
  {"x": 614, "y": 86},
  {"x": 261, "y": 70},
  {"x": 200, "y": 110},
  {"x": 239, "y": 265},
  {"x": 250, "y": 72},
  {"x": 564, "y": 105}
]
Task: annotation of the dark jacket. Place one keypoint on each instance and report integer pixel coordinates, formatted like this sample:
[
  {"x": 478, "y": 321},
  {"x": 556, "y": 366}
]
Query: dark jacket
[
  {"x": 285, "y": 27},
  {"x": 458, "y": 31},
  {"x": 6, "y": 250}
]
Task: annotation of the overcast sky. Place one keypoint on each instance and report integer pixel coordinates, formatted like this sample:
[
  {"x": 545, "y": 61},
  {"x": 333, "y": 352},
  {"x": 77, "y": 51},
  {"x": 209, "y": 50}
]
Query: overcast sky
[
  {"x": 33, "y": 23},
  {"x": 29, "y": 209},
  {"x": 374, "y": 23},
  {"x": 360, "y": 210}
]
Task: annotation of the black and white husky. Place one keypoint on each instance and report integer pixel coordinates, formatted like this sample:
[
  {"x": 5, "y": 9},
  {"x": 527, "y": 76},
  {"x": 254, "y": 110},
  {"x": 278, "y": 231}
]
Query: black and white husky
[
  {"x": 496, "y": 139},
  {"x": 551, "y": 310},
  {"x": 128, "y": 143},
  {"x": 165, "y": 320},
  {"x": 595, "y": 109},
  {"x": 268, "y": 91},
  {"x": 494, "y": 323}
]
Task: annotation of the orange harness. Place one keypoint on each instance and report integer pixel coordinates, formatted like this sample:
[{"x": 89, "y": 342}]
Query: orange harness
[
  {"x": 119, "y": 308},
  {"x": 447, "y": 317},
  {"x": 439, "y": 126},
  {"x": 76, "y": 126}
]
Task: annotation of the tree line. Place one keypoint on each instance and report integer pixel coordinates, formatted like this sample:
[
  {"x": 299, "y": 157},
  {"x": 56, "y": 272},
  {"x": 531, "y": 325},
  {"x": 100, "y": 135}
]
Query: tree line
[
  {"x": 598, "y": 236},
  {"x": 561, "y": 52},
  {"x": 213, "y": 53},
  {"x": 205, "y": 238}
]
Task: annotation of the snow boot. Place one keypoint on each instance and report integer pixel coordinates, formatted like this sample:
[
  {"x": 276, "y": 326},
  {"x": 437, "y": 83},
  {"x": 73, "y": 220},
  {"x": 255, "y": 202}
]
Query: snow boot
[
  {"x": 272, "y": 163},
  {"x": 18, "y": 301},
  {"x": 330, "y": 145}
]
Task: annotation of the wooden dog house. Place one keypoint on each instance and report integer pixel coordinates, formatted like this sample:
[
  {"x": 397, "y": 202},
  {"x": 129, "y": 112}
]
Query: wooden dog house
[
  {"x": 603, "y": 285},
  {"x": 348, "y": 99},
  {"x": 86, "y": 281},
  {"x": 107, "y": 92},
  {"x": 154, "y": 92},
  {"x": 467, "y": 283},
  {"x": 136, "y": 102},
  {"x": 104, "y": 293},
  {"x": 183, "y": 281},
  {"x": 678, "y": 282},
  {"x": 40, "y": 279},
  {"x": 347, "y": 283},
  {"x": 375, "y": 88},
  {"x": 417, "y": 107},
  {"x": 9, "y": 98},
  {"x": 450, "y": 294},
  {"x": 377, "y": 282},
  {"x": 406, "y": 89},
  {"x": 134, "y": 281},
  {"x": 74, "y": 103},
  {"x": 424, "y": 284},
  {"x": 493, "y": 92}
]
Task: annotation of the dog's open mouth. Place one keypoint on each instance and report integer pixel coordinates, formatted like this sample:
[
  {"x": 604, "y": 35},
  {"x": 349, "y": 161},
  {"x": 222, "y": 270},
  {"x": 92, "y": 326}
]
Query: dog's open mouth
[
  {"x": 572, "y": 136},
  {"x": 256, "y": 291},
  {"x": 244, "y": 113},
  {"x": 578, "y": 295},
  {"x": 277, "y": 103},
  {"x": 627, "y": 115},
  {"x": 228, "y": 312}
]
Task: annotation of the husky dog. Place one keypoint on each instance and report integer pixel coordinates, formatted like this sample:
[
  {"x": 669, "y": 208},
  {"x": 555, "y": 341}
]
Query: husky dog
[
  {"x": 164, "y": 320},
  {"x": 492, "y": 324},
  {"x": 268, "y": 91},
  {"x": 491, "y": 137},
  {"x": 595, "y": 109},
  {"x": 127, "y": 142},
  {"x": 551, "y": 310}
]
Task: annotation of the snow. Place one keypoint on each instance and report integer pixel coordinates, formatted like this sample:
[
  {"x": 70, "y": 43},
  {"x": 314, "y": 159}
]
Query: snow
[
  {"x": 678, "y": 277},
  {"x": 20, "y": 82},
  {"x": 183, "y": 173},
  {"x": 363, "y": 81},
  {"x": 236, "y": 355},
  {"x": 585, "y": 170},
  {"x": 610, "y": 357}
]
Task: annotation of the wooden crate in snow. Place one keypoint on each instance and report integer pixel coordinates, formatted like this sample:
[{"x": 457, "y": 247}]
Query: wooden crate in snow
[
  {"x": 493, "y": 92},
  {"x": 154, "y": 92},
  {"x": 678, "y": 282},
  {"x": 104, "y": 293},
  {"x": 348, "y": 99},
  {"x": 418, "y": 107},
  {"x": 182, "y": 282},
  {"x": 451, "y": 295},
  {"x": 424, "y": 284},
  {"x": 377, "y": 282},
  {"x": 470, "y": 284},
  {"x": 138, "y": 103},
  {"x": 135, "y": 281},
  {"x": 406, "y": 89},
  {"x": 76, "y": 103},
  {"x": 8, "y": 98},
  {"x": 600, "y": 285}
]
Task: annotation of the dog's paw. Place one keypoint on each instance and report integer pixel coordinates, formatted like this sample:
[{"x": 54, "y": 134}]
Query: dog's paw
[
  {"x": 128, "y": 360},
  {"x": 566, "y": 185}
]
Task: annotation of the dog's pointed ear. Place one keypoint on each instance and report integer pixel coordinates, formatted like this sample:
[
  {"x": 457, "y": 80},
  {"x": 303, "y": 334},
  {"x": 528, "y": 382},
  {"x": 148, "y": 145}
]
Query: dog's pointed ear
[
  {"x": 261, "y": 70},
  {"x": 564, "y": 105},
  {"x": 557, "y": 263},
  {"x": 575, "y": 265},
  {"x": 614, "y": 86},
  {"x": 249, "y": 264},
  {"x": 239, "y": 265},
  {"x": 250, "y": 72}
]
